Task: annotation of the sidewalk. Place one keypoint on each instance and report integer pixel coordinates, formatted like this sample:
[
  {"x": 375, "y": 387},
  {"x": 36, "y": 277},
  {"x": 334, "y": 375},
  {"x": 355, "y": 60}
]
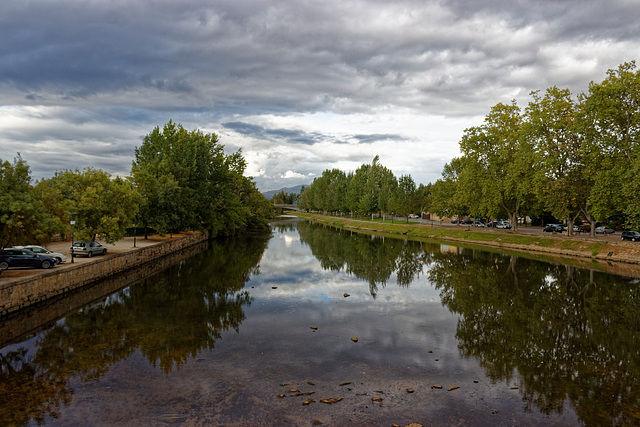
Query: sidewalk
[{"x": 63, "y": 247}]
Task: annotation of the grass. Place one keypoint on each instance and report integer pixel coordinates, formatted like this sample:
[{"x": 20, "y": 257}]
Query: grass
[{"x": 462, "y": 234}]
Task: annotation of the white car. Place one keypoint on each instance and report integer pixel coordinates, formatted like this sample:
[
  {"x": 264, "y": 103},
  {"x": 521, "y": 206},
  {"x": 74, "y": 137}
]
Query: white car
[
  {"x": 60, "y": 258},
  {"x": 604, "y": 230}
]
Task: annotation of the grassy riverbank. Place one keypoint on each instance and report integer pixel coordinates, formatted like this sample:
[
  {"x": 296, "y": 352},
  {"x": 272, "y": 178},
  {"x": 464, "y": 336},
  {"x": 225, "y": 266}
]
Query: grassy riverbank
[{"x": 559, "y": 246}]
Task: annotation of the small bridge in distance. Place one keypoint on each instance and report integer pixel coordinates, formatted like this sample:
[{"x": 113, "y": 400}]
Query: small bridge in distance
[{"x": 288, "y": 207}]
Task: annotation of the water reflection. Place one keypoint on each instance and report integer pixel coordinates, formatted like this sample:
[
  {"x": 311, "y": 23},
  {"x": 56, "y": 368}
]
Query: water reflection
[
  {"x": 561, "y": 332},
  {"x": 424, "y": 313},
  {"x": 369, "y": 257},
  {"x": 168, "y": 318},
  {"x": 565, "y": 333}
]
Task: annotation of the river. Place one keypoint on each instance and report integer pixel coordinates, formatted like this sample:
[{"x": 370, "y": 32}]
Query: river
[{"x": 314, "y": 325}]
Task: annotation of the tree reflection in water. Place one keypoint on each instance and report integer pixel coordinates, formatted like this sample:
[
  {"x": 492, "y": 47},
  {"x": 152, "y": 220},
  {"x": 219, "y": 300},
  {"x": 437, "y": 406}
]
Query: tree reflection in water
[
  {"x": 168, "y": 318},
  {"x": 563, "y": 333}
]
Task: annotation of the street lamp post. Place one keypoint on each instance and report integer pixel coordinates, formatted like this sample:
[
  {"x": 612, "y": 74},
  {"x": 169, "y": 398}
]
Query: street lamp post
[{"x": 73, "y": 223}]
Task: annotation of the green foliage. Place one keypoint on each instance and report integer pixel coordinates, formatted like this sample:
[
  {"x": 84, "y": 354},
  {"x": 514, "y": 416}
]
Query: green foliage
[
  {"x": 24, "y": 217},
  {"x": 104, "y": 207},
  {"x": 187, "y": 182}
]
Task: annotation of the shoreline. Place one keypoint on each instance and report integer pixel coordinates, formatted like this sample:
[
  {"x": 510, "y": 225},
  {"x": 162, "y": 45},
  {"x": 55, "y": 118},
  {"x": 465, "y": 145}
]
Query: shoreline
[
  {"x": 602, "y": 252},
  {"x": 20, "y": 288}
]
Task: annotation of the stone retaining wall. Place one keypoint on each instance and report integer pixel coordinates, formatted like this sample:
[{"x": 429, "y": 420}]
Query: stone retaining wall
[{"x": 29, "y": 290}]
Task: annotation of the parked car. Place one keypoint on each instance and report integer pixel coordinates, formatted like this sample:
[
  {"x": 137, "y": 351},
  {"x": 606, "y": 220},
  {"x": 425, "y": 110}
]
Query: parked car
[
  {"x": 88, "y": 248},
  {"x": 634, "y": 236},
  {"x": 12, "y": 257},
  {"x": 60, "y": 258},
  {"x": 414, "y": 216},
  {"x": 553, "y": 228},
  {"x": 479, "y": 223},
  {"x": 503, "y": 224},
  {"x": 584, "y": 228},
  {"x": 604, "y": 230}
]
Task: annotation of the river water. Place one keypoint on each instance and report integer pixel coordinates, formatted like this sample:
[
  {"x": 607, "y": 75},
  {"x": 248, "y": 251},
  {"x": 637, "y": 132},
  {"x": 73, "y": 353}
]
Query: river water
[{"x": 261, "y": 330}]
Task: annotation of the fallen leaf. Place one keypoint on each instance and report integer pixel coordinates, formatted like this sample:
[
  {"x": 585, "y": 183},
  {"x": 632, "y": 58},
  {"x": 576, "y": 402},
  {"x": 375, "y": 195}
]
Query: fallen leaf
[
  {"x": 308, "y": 401},
  {"x": 293, "y": 390},
  {"x": 304, "y": 394},
  {"x": 283, "y": 385},
  {"x": 310, "y": 383},
  {"x": 453, "y": 387},
  {"x": 314, "y": 327},
  {"x": 376, "y": 399},
  {"x": 347, "y": 383},
  {"x": 409, "y": 390},
  {"x": 414, "y": 425},
  {"x": 274, "y": 287},
  {"x": 346, "y": 295},
  {"x": 281, "y": 396},
  {"x": 354, "y": 339},
  {"x": 332, "y": 400},
  {"x": 436, "y": 386},
  {"x": 514, "y": 388},
  {"x": 380, "y": 391},
  {"x": 317, "y": 422}
]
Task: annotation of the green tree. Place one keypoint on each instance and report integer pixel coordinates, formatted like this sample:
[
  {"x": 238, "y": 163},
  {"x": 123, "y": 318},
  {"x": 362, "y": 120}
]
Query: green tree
[
  {"x": 405, "y": 197},
  {"x": 24, "y": 217},
  {"x": 187, "y": 181},
  {"x": 551, "y": 128},
  {"x": 501, "y": 161},
  {"x": 104, "y": 207},
  {"x": 610, "y": 122}
]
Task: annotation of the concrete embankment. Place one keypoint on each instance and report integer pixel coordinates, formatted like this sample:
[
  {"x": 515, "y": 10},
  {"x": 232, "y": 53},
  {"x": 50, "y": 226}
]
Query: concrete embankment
[{"x": 21, "y": 292}]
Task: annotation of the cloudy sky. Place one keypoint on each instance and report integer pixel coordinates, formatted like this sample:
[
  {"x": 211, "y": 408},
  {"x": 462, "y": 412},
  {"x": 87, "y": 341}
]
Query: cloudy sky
[{"x": 299, "y": 85}]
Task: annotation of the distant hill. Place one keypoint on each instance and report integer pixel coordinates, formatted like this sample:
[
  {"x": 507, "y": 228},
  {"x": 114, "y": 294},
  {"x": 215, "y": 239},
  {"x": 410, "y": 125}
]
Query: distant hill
[{"x": 269, "y": 194}]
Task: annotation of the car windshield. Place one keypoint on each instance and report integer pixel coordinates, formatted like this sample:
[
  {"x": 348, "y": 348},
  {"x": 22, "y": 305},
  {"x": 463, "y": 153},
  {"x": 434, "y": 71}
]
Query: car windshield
[{"x": 79, "y": 244}]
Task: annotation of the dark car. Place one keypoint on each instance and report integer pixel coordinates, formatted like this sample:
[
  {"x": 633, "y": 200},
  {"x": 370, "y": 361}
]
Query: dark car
[
  {"x": 553, "y": 228},
  {"x": 24, "y": 258},
  {"x": 634, "y": 236},
  {"x": 87, "y": 248}
]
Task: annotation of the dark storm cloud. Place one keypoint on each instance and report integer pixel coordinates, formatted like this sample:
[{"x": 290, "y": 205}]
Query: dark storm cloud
[{"x": 75, "y": 74}]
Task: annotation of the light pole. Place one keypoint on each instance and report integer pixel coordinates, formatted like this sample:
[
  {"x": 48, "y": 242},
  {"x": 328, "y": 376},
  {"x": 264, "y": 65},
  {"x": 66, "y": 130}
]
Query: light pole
[{"x": 73, "y": 223}]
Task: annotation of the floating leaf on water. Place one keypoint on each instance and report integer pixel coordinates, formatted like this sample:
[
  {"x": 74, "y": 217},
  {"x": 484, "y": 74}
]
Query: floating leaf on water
[
  {"x": 308, "y": 401},
  {"x": 346, "y": 295},
  {"x": 436, "y": 386},
  {"x": 410, "y": 390},
  {"x": 347, "y": 383},
  {"x": 354, "y": 339},
  {"x": 332, "y": 400},
  {"x": 453, "y": 387}
]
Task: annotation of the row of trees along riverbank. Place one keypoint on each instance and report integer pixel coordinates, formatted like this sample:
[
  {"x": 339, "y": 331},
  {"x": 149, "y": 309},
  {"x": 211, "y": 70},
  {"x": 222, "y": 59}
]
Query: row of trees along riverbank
[
  {"x": 179, "y": 180},
  {"x": 560, "y": 157}
]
